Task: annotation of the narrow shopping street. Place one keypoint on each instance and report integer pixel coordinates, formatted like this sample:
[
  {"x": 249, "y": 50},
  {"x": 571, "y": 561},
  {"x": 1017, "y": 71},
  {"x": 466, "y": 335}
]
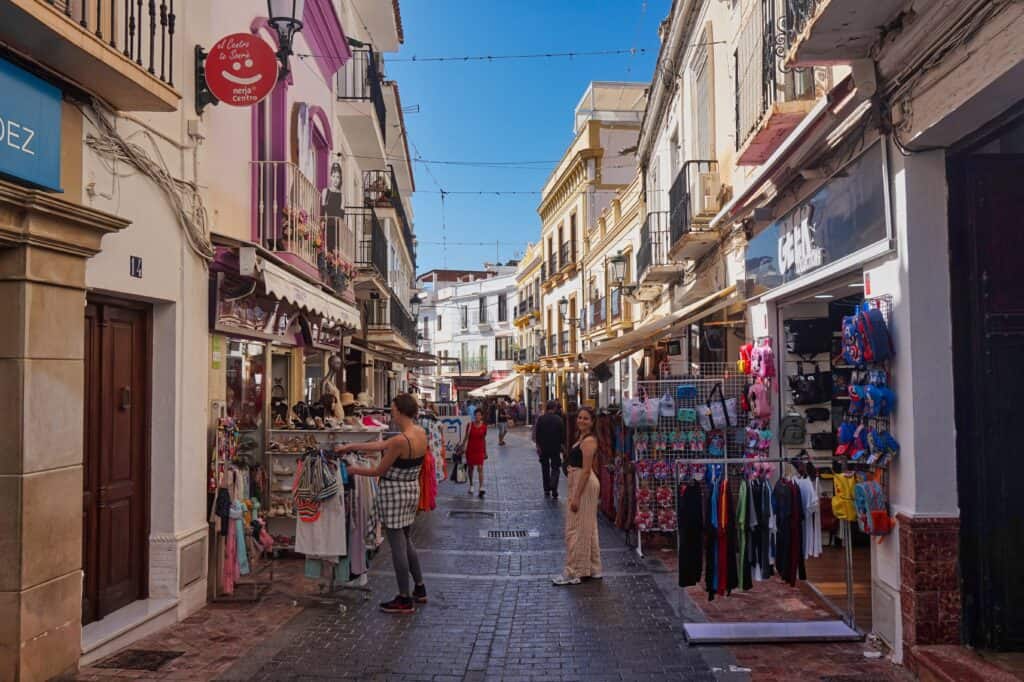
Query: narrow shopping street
[{"x": 493, "y": 612}]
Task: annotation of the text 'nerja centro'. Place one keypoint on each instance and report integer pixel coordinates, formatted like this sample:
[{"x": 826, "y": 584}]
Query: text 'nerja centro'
[{"x": 241, "y": 69}]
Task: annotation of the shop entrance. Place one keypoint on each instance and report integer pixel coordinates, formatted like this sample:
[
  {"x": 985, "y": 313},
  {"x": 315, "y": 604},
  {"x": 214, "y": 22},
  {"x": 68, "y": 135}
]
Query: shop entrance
[
  {"x": 115, "y": 502},
  {"x": 839, "y": 561},
  {"x": 988, "y": 327}
]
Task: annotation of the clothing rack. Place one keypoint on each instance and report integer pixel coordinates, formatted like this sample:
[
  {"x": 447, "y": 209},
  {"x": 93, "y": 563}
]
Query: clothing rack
[{"x": 730, "y": 457}]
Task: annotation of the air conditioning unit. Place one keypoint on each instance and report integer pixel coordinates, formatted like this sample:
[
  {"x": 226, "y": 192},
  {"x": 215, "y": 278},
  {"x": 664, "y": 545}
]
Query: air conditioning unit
[{"x": 709, "y": 185}]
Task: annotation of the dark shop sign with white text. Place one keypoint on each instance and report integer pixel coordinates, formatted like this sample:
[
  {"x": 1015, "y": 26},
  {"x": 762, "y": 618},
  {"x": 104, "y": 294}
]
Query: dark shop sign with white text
[
  {"x": 30, "y": 114},
  {"x": 847, "y": 214}
]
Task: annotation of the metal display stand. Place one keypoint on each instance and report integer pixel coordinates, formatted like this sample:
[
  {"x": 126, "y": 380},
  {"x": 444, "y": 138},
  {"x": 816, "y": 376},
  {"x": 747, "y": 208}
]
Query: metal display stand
[
  {"x": 673, "y": 453},
  {"x": 679, "y": 443}
]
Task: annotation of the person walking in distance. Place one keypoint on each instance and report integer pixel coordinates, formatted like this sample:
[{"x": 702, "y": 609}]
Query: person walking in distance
[
  {"x": 502, "y": 421},
  {"x": 549, "y": 435},
  {"x": 474, "y": 444},
  {"x": 582, "y": 547},
  {"x": 398, "y": 496}
]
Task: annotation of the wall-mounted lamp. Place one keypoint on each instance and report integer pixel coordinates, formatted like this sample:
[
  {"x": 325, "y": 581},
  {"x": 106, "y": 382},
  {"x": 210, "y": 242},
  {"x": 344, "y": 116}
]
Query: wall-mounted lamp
[
  {"x": 414, "y": 303},
  {"x": 285, "y": 17}
]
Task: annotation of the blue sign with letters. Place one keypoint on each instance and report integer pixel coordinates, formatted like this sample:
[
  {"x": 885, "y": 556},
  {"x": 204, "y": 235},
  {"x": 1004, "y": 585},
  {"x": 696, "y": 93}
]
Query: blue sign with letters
[{"x": 30, "y": 115}]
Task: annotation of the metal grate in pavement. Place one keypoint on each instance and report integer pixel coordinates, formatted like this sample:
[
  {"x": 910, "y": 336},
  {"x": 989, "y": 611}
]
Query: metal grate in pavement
[
  {"x": 465, "y": 514},
  {"x": 505, "y": 534},
  {"x": 139, "y": 659}
]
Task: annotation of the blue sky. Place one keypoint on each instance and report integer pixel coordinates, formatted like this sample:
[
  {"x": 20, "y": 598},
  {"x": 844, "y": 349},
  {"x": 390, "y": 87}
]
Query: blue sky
[{"x": 512, "y": 110}]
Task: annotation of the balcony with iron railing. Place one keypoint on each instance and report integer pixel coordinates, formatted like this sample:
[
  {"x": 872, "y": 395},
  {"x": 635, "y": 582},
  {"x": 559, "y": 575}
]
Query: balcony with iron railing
[
  {"x": 123, "y": 51},
  {"x": 528, "y": 305},
  {"x": 598, "y": 313},
  {"x": 372, "y": 245},
  {"x": 552, "y": 344},
  {"x": 563, "y": 343},
  {"x": 381, "y": 191},
  {"x": 552, "y": 266},
  {"x": 770, "y": 99},
  {"x": 615, "y": 306},
  {"x": 359, "y": 89},
  {"x": 653, "y": 264},
  {"x": 477, "y": 363},
  {"x": 287, "y": 221},
  {"x": 388, "y": 315},
  {"x": 833, "y": 31},
  {"x": 693, "y": 202},
  {"x": 566, "y": 254}
]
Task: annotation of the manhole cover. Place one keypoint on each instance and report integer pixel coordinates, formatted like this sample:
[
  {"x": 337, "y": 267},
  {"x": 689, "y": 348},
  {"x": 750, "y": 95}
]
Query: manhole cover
[
  {"x": 517, "y": 533},
  {"x": 470, "y": 514},
  {"x": 139, "y": 659}
]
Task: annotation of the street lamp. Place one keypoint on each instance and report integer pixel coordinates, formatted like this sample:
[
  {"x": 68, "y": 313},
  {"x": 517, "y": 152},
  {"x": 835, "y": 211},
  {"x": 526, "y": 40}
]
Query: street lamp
[
  {"x": 618, "y": 274},
  {"x": 414, "y": 304},
  {"x": 618, "y": 268},
  {"x": 563, "y": 307},
  {"x": 285, "y": 17}
]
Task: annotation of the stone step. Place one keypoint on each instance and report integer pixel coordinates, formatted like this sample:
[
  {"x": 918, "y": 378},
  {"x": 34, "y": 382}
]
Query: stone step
[{"x": 947, "y": 663}]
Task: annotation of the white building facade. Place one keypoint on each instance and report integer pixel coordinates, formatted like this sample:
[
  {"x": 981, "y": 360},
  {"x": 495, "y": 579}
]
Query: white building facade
[{"x": 467, "y": 322}]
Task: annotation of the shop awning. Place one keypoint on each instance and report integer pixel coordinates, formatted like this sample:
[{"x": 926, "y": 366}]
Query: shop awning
[
  {"x": 284, "y": 285},
  {"x": 509, "y": 386},
  {"x": 646, "y": 334},
  {"x": 396, "y": 354}
]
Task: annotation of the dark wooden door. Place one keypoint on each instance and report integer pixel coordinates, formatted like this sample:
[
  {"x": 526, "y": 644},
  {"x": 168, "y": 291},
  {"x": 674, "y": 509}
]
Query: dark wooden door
[
  {"x": 987, "y": 255},
  {"x": 115, "y": 512}
]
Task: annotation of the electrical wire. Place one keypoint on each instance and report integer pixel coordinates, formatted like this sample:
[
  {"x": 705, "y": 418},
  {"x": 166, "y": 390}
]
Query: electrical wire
[
  {"x": 504, "y": 57},
  {"x": 183, "y": 195}
]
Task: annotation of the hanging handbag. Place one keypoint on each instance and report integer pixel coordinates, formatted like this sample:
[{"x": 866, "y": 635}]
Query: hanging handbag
[
  {"x": 823, "y": 441},
  {"x": 810, "y": 388},
  {"x": 809, "y": 337},
  {"x": 720, "y": 413},
  {"x": 667, "y": 406}
]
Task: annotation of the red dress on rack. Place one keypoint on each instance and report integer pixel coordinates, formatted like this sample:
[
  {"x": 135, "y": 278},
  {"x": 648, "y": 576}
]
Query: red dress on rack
[{"x": 476, "y": 447}]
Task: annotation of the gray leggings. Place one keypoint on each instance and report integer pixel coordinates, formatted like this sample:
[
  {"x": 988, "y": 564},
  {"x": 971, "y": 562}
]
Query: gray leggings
[{"x": 403, "y": 555}]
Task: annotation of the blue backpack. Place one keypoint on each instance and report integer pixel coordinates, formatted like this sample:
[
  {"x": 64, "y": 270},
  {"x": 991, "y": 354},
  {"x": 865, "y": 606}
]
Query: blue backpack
[
  {"x": 852, "y": 342},
  {"x": 876, "y": 344}
]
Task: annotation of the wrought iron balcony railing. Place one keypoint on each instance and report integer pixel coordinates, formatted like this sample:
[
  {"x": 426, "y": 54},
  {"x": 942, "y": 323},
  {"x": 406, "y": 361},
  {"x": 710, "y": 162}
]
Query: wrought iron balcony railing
[
  {"x": 372, "y": 252},
  {"x": 655, "y": 241},
  {"x": 389, "y": 315},
  {"x": 762, "y": 79},
  {"x": 597, "y": 312},
  {"x": 380, "y": 190},
  {"x": 693, "y": 194},
  {"x": 360, "y": 79}
]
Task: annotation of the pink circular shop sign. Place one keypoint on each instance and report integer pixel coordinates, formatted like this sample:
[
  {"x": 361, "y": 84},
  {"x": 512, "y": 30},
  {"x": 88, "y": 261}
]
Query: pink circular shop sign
[{"x": 241, "y": 69}]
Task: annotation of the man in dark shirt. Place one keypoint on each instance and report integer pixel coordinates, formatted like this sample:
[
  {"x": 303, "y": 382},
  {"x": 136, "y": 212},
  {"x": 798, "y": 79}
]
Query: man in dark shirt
[{"x": 549, "y": 435}]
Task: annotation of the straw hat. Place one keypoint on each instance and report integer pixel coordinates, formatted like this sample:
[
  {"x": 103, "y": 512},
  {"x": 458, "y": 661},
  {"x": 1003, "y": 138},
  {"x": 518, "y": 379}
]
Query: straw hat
[
  {"x": 347, "y": 399},
  {"x": 364, "y": 399}
]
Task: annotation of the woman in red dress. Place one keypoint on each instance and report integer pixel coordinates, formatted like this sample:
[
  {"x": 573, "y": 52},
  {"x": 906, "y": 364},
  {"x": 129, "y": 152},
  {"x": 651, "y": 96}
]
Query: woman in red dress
[{"x": 474, "y": 444}]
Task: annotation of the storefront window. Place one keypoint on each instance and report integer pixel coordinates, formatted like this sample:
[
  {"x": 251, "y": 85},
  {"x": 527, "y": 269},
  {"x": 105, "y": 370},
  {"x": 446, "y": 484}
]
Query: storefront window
[
  {"x": 847, "y": 214},
  {"x": 314, "y": 376}
]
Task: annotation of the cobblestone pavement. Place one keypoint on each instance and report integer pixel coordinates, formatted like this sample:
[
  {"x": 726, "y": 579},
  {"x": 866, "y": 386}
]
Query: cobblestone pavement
[{"x": 493, "y": 613}]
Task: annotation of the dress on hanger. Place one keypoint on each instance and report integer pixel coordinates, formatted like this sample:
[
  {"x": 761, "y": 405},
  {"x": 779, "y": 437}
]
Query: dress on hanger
[{"x": 690, "y": 531}]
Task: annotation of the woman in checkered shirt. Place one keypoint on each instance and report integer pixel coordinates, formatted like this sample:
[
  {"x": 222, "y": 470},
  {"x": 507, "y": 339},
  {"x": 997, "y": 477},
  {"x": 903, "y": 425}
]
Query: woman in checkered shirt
[{"x": 398, "y": 496}]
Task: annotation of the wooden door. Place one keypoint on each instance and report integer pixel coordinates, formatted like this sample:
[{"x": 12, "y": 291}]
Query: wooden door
[
  {"x": 988, "y": 317},
  {"x": 115, "y": 511}
]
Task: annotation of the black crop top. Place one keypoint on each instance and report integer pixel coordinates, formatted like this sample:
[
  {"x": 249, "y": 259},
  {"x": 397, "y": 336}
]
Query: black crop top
[
  {"x": 408, "y": 463},
  {"x": 575, "y": 458}
]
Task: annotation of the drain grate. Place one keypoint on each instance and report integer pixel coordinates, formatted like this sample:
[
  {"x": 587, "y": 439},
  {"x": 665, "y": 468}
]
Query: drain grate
[
  {"x": 465, "y": 514},
  {"x": 139, "y": 659},
  {"x": 517, "y": 533}
]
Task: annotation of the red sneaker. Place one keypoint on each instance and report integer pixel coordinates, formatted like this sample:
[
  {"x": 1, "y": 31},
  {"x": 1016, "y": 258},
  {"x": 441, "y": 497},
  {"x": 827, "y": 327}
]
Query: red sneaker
[{"x": 399, "y": 604}]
